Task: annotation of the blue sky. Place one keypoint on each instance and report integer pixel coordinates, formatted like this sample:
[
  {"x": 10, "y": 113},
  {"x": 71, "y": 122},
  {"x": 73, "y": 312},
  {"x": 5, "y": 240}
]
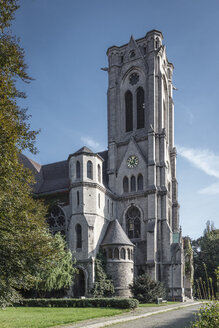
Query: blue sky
[{"x": 65, "y": 43}]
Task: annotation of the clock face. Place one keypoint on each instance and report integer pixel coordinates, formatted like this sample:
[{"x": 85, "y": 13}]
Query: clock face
[{"x": 132, "y": 161}]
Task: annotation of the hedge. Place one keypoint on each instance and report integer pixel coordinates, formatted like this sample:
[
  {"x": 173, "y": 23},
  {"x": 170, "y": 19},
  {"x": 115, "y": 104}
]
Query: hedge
[{"x": 120, "y": 303}]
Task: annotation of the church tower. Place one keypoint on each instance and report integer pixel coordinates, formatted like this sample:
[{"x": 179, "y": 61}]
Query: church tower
[
  {"x": 124, "y": 199},
  {"x": 142, "y": 157}
]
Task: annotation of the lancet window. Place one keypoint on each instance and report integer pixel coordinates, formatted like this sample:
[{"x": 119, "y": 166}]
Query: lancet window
[
  {"x": 133, "y": 223},
  {"x": 140, "y": 108},
  {"x": 133, "y": 183},
  {"x": 78, "y": 170},
  {"x": 90, "y": 170},
  {"x": 129, "y": 111},
  {"x": 140, "y": 182},
  {"x": 125, "y": 184},
  {"x": 78, "y": 231}
]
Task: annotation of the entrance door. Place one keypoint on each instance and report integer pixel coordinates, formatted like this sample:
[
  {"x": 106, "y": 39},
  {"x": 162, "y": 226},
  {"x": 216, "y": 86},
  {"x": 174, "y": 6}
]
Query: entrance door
[{"x": 79, "y": 284}]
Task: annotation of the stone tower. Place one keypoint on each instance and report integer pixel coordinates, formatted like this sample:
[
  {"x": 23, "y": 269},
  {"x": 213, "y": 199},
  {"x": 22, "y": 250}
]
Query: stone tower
[
  {"x": 142, "y": 157},
  {"x": 129, "y": 189}
]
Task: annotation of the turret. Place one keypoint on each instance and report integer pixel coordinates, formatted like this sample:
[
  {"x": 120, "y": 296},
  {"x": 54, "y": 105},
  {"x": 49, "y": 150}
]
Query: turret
[{"x": 119, "y": 250}]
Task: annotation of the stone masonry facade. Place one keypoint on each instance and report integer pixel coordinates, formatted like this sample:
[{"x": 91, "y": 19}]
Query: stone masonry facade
[{"x": 132, "y": 186}]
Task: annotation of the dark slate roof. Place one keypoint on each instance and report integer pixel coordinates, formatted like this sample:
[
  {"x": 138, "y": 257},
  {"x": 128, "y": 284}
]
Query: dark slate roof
[
  {"x": 115, "y": 235},
  {"x": 30, "y": 164},
  {"x": 55, "y": 177},
  {"x": 36, "y": 169},
  {"x": 83, "y": 150}
]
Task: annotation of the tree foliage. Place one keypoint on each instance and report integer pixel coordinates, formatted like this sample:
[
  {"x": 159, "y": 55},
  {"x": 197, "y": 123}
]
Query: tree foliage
[
  {"x": 146, "y": 290},
  {"x": 59, "y": 272},
  {"x": 206, "y": 255},
  {"x": 208, "y": 316},
  {"x": 103, "y": 286},
  {"x": 26, "y": 247}
]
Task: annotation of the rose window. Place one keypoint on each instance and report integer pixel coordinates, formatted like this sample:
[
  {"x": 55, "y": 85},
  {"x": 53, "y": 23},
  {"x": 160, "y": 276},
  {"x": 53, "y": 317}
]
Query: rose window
[{"x": 56, "y": 220}]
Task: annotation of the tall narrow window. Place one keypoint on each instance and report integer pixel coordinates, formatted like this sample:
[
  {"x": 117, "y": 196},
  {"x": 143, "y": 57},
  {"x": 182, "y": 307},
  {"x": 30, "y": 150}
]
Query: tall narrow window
[
  {"x": 140, "y": 108},
  {"x": 133, "y": 183},
  {"x": 99, "y": 200},
  {"x": 133, "y": 223},
  {"x": 123, "y": 253},
  {"x": 78, "y": 236},
  {"x": 116, "y": 253},
  {"x": 108, "y": 206},
  {"x": 78, "y": 170},
  {"x": 125, "y": 184},
  {"x": 90, "y": 170},
  {"x": 140, "y": 182},
  {"x": 78, "y": 198},
  {"x": 112, "y": 208},
  {"x": 128, "y": 111},
  {"x": 110, "y": 253},
  {"x": 99, "y": 173}
]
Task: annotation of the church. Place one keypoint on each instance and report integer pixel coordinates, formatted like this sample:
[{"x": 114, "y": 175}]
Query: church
[{"x": 124, "y": 199}]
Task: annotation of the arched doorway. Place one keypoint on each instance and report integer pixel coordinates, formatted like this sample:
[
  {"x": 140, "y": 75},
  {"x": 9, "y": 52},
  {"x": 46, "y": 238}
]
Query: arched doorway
[{"x": 79, "y": 284}]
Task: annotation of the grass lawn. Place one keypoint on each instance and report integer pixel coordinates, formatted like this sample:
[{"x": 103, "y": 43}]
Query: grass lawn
[
  {"x": 155, "y": 304},
  {"x": 41, "y": 317}
]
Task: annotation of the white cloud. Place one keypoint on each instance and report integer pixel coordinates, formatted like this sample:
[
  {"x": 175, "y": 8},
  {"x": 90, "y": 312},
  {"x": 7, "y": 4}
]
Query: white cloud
[
  {"x": 203, "y": 159},
  {"x": 92, "y": 143},
  {"x": 210, "y": 190}
]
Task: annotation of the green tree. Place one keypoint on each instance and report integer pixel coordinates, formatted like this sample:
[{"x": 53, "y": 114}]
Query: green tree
[
  {"x": 59, "y": 272},
  {"x": 146, "y": 290},
  {"x": 26, "y": 247},
  {"x": 206, "y": 255}
]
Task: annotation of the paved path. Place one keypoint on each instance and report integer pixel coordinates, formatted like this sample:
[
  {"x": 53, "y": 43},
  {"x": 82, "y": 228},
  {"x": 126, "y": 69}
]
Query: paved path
[
  {"x": 162, "y": 317},
  {"x": 180, "y": 318}
]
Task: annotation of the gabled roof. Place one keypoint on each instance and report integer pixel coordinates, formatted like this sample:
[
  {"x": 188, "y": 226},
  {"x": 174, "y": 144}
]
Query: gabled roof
[{"x": 115, "y": 235}]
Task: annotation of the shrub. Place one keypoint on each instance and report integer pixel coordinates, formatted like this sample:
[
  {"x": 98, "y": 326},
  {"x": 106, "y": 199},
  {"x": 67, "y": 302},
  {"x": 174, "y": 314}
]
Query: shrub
[
  {"x": 120, "y": 303},
  {"x": 147, "y": 290},
  {"x": 208, "y": 316},
  {"x": 103, "y": 286}
]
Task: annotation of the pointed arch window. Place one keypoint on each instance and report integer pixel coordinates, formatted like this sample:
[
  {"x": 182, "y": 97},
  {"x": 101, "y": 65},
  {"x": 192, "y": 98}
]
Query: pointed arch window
[
  {"x": 90, "y": 170},
  {"x": 123, "y": 253},
  {"x": 110, "y": 253},
  {"x": 128, "y": 111},
  {"x": 133, "y": 183},
  {"x": 78, "y": 198},
  {"x": 116, "y": 253},
  {"x": 140, "y": 182},
  {"x": 78, "y": 231},
  {"x": 140, "y": 108},
  {"x": 99, "y": 200},
  {"x": 78, "y": 170},
  {"x": 133, "y": 223},
  {"x": 125, "y": 184}
]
